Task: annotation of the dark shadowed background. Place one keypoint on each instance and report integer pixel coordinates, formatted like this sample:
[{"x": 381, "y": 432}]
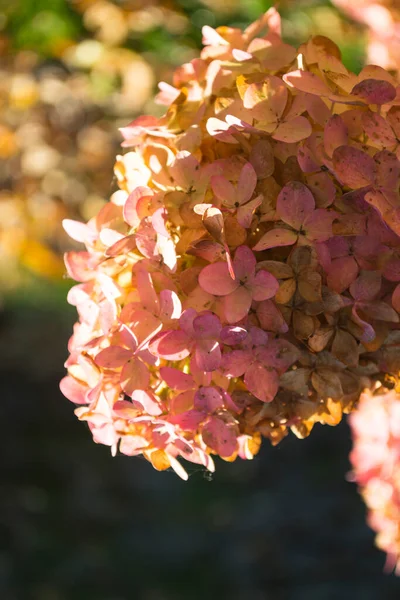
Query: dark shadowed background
[{"x": 75, "y": 523}]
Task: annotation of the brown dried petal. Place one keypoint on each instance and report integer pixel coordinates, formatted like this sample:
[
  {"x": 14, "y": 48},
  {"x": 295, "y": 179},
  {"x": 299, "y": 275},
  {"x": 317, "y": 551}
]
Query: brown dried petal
[
  {"x": 309, "y": 286},
  {"x": 286, "y": 290},
  {"x": 345, "y": 348},
  {"x": 327, "y": 383},
  {"x": 303, "y": 325},
  {"x": 296, "y": 381},
  {"x": 320, "y": 339}
]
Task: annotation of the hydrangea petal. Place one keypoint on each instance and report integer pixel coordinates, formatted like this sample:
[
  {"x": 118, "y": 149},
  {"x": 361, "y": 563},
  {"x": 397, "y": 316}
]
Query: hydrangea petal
[
  {"x": 292, "y": 131},
  {"x": 342, "y": 273},
  {"x": 73, "y": 390},
  {"x": 264, "y": 286},
  {"x": 208, "y": 355},
  {"x": 219, "y": 437},
  {"x": 236, "y": 305},
  {"x": 134, "y": 376},
  {"x": 274, "y": 238},
  {"x": 207, "y": 326},
  {"x": 215, "y": 279},
  {"x": 172, "y": 345},
  {"x": 113, "y": 357},
  {"x": 263, "y": 383},
  {"x": 353, "y": 166},
  {"x": 375, "y": 91},
  {"x": 235, "y": 363},
  {"x": 244, "y": 264},
  {"x": 295, "y": 202},
  {"x": 176, "y": 379}
]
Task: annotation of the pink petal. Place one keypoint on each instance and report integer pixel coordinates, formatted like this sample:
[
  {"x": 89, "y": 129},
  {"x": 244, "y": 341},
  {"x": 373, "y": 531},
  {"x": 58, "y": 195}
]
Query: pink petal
[
  {"x": 354, "y": 167},
  {"x": 270, "y": 317},
  {"x": 381, "y": 200},
  {"x": 134, "y": 376},
  {"x": 146, "y": 239},
  {"x": 125, "y": 410},
  {"x": 375, "y": 91},
  {"x": 207, "y": 249},
  {"x": 144, "y": 325},
  {"x": 274, "y": 238},
  {"x": 262, "y": 158},
  {"x": 147, "y": 401},
  {"x": 368, "y": 333},
  {"x": 186, "y": 321},
  {"x": 307, "y": 159},
  {"x": 221, "y": 130},
  {"x": 378, "y": 130},
  {"x": 184, "y": 169},
  {"x": 295, "y": 202},
  {"x": 317, "y": 109},
  {"x": 293, "y": 131},
  {"x": 335, "y": 134},
  {"x": 236, "y": 305},
  {"x": 235, "y": 363},
  {"x": 215, "y": 279},
  {"x": 246, "y": 184},
  {"x": 129, "y": 211},
  {"x": 80, "y": 232},
  {"x": 279, "y": 354},
  {"x": 261, "y": 382},
  {"x": 176, "y": 379},
  {"x": 158, "y": 220},
  {"x": 207, "y": 326},
  {"x": 391, "y": 270},
  {"x": 367, "y": 286},
  {"x": 258, "y": 336},
  {"x": 244, "y": 264},
  {"x": 73, "y": 390},
  {"x": 264, "y": 286},
  {"x": 183, "y": 401},
  {"x": 166, "y": 248},
  {"x": 388, "y": 169},
  {"x": 241, "y": 55},
  {"x": 78, "y": 266},
  {"x": 219, "y": 437},
  {"x": 305, "y": 81},
  {"x": 146, "y": 290},
  {"x": 231, "y": 335},
  {"x": 172, "y": 345},
  {"x": 322, "y": 188},
  {"x": 113, "y": 357},
  {"x": 379, "y": 311},
  {"x": 318, "y": 225},
  {"x": 124, "y": 246},
  {"x": 208, "y": 399},
  {"x": 223, "y": 190},
  {"x": 342, "y": 273},
  {"x": 128, "y": 338},
  {"x": 188, "y": 421},
  {"x": 208, "y": 355},
  {"x": 245, "y": 213},
  {"x": 170, "y": 305}
]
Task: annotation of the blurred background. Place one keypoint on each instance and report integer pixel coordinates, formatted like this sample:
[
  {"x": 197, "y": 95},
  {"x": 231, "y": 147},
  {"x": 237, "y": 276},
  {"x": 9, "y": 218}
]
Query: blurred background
[{"x": 76, "y": 524}]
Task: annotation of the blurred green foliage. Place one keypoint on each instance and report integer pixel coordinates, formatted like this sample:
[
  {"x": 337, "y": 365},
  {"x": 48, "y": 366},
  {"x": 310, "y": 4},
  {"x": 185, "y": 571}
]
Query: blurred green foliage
[{"x": 40, "y": 25}]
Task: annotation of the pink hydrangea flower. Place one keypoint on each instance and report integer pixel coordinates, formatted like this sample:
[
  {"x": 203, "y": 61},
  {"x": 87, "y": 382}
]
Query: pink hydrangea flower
[
  {"x": 238, "y": 293},
  {"x": 376, "y": 463},
  {"x": 244, "y": 279}
]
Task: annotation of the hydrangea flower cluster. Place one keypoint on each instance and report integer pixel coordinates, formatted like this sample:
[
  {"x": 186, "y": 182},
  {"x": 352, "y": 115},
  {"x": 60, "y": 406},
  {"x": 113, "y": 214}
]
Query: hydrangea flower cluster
[
  {"x": 245, "y": 278},
  {"x": 376, "y": 466}
]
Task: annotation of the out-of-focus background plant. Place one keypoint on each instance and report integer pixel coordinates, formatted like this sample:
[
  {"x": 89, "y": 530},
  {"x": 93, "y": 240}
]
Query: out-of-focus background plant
[{"x": 76, "y": 523}]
